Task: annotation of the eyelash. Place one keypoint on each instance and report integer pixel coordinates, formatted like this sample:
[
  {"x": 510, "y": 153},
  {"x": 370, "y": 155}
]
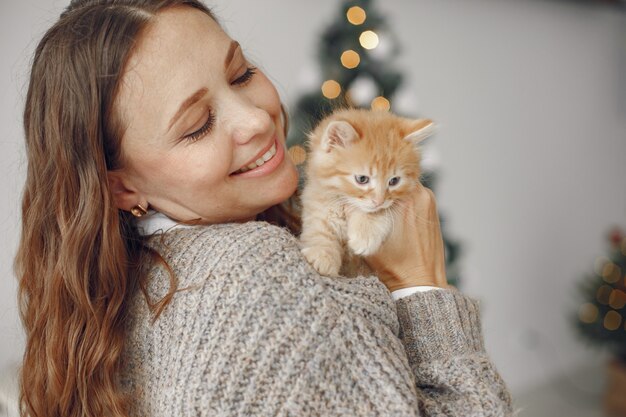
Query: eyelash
[
  {"x": 246, "y": 77},
  {"x": 243, "y": 80}
]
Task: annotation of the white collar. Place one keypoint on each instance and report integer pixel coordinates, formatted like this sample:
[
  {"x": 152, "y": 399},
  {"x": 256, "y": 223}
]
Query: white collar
[{"x": 157, "y": 222}]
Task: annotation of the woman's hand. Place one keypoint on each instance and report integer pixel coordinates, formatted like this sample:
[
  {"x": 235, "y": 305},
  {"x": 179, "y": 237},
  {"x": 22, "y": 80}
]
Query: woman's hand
[{"x": 413, "y": 254}]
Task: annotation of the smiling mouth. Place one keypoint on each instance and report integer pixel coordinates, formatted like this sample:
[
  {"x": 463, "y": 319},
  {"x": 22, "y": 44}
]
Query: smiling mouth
[{"x": 260, "y": 161}]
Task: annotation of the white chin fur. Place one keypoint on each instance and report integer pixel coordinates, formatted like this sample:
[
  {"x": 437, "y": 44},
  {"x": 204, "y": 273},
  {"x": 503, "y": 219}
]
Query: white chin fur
[{"x": 370, "y": 209}]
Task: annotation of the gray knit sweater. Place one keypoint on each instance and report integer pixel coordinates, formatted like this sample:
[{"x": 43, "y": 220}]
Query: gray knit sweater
[{"x": 256, "y": 331}]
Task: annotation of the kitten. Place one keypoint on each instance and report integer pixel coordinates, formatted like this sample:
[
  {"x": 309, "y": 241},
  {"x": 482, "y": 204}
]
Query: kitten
[{"x": 360, "y": 163}]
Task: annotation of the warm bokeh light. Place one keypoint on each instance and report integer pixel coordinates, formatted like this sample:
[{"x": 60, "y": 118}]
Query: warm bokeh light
[
  {"x": 611, "y": 272},
  {"x": 356, "y": 15},
  {"x": 599, "y": 264},
  {"x": 368, "y": 39},
  {"x": 350, "y": 59},
  {"x": 617, "y": 299},
  {"x": 381, "y": 103},
  {"x": 603, "y": 294},
  {"x": 588, "y": 313},
  {"x": 331, "y": 89},
  {"x": 297, "y": 154},
  {"x": 612, "y": 320}
]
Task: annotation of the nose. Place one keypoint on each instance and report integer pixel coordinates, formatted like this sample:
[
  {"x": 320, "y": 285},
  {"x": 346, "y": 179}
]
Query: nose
[
  {"x": 246, "y": 121},
  {"x": 378, "y": 201}
]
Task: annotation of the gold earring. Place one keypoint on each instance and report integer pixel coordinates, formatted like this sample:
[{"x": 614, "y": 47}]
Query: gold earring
[{"x": 138, "y": 210}]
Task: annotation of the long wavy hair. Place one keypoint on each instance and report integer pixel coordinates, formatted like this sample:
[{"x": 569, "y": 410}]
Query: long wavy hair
[{"x": 80, "y": 258}]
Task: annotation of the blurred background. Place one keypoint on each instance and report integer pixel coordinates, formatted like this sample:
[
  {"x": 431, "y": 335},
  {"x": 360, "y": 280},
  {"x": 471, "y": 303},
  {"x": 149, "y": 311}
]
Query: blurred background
[{"x": 529, "y": 160}]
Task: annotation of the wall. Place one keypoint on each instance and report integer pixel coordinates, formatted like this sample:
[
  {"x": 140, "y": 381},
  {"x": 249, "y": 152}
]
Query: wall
[{"x": 531, "y": 97}]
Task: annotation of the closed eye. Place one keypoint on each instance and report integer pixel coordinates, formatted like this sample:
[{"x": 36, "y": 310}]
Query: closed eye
[
  {"x": 246, "y": 77},
  {"x": 192, "y": 137}
]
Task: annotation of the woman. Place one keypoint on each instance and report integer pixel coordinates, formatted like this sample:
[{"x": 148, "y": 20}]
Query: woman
[{"x": 149, "y": 284}]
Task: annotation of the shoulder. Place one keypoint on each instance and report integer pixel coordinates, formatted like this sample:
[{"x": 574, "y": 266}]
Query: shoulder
[
  {"x": 226, "y": 248},
  {"x": 257, "y": 326},
  {"x": 217, "y": 238},
  {"x": 247, "y": 294},
  {"x": 243, "y": 259}
]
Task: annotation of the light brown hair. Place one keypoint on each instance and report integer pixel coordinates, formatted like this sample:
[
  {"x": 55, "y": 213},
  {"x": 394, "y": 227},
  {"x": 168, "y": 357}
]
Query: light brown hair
[{"x": 80, "y": 258}]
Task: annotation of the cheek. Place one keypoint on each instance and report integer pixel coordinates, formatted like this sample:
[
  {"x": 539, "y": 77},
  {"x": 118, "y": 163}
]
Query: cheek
[
  {"x": 401, "y": 191},
  {"x": 357, "y": 191},
  {"x": 193, "y": 170},
  {"x": 204, "y": 165}
]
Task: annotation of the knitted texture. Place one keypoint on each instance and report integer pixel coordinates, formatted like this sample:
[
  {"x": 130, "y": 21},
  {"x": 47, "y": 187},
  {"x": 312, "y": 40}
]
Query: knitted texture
[{"x": 256, "y": 331}]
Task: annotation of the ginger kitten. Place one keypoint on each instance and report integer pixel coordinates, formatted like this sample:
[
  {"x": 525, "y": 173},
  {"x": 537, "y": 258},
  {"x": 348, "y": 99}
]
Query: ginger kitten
[{"x": 360, "y": 163}]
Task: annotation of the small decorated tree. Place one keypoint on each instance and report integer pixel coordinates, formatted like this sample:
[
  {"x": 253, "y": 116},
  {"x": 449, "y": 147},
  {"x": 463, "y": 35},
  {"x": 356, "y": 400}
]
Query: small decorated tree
[{"x": 601, "y": 317}]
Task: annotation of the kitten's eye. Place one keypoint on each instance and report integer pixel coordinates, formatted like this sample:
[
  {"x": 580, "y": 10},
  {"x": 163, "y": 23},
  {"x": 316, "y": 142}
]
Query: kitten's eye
[
  {"x": 361, "y": 179},
  {"x": 394, "y": 181}
]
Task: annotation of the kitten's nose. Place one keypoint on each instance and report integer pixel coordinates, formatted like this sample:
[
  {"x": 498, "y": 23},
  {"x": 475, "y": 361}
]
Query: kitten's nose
[{"x": 377, "y": 202}]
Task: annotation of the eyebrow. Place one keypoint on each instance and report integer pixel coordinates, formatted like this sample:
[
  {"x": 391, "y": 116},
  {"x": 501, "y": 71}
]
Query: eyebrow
[
  {"x": 195, "y": 97},
  {"x": 231, "y": 53}
]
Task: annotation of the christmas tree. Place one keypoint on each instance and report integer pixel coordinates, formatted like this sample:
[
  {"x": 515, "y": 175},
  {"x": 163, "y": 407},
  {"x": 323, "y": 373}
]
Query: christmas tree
[
  {"x": 600, "y": 318},
  {"x": 355, "y": 55}
]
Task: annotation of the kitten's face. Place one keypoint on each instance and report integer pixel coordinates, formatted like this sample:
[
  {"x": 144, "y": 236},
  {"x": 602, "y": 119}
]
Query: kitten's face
[
  {"x": 366, "y": 158},
  {"x": 374, "y": 188},
  {"x": 372, "y": 178}
]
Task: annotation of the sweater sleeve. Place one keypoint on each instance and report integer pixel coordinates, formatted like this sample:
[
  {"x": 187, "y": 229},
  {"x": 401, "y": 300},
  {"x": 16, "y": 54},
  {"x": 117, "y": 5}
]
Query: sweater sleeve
[{"x": 441, "y": 334}]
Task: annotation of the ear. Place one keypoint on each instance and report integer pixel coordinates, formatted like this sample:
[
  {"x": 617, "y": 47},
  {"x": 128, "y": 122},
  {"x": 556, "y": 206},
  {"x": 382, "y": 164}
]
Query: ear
[
  {"x": 338, "y": 134},
  {"x": 419, "y": 130},
  {"x": 125, "y": 196}
]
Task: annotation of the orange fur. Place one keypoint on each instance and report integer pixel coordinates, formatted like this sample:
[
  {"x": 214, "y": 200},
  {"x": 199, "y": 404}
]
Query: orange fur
[{"x": 339, "y": 216}]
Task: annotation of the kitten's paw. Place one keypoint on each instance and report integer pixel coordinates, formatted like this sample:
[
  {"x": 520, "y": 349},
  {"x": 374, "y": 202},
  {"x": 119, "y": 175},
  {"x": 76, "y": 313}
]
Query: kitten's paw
[
  {"x": 363, "y": 245},
  {"x": 324, "y": 261}
]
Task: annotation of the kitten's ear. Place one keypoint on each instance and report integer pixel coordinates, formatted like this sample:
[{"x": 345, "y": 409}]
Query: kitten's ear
[
  {"x": 419, "y": 130},
  {"x": 338, "y": 133}
]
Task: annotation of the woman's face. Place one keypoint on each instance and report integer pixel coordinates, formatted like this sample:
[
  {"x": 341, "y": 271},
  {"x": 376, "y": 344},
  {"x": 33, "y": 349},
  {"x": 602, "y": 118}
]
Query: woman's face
[{"x": 194, "y": 114}]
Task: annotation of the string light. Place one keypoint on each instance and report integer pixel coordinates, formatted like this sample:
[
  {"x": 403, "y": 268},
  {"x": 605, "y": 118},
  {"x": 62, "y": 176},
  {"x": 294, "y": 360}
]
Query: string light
[
  {"x": 356, "y": 15},
  {"x": 331, "y": 89},
  {"x": 611, "y": 272},
  {"x": 588, "y": 313},
  {"x": 350, "y": 59},
  {"x": 617, "y": 299},
  {"x": 368, "y": 39},
  {"x": 603, "y": 294},
  {"x": 599, "y": 264},
  {"x": 297, "y": 154},
  {"x": 612, "y": 320},
  {"x": 381, "y": 103}
]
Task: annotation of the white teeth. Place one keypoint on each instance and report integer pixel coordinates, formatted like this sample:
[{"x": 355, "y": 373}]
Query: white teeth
[
  {"x": 269, "y": 154},
  {"x": 266, "y": 157}
]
